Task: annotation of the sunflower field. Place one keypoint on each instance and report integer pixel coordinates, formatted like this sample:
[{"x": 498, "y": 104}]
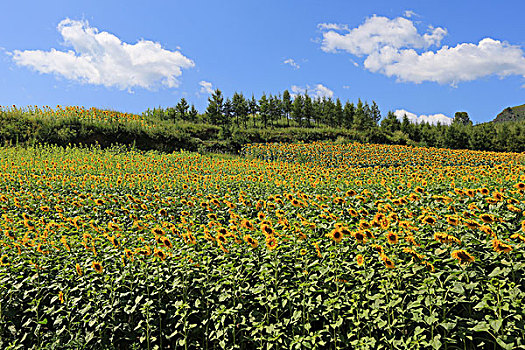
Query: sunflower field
[{"x": 289, "y": 246}]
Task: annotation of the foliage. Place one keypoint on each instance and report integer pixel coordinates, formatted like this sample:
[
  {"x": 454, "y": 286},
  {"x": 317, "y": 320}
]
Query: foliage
[{"x": 294, "y": 246}]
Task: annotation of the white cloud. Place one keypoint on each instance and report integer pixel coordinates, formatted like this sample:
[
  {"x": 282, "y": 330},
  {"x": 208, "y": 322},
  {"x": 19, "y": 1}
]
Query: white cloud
[
  {"x": 409, "y": 14},
  {"x": 394, "y": 48},
  {"x": 319, "y": 91},
  {"x": 378, "y": 32},
  {"x": 292, "y": 63},
  {"x": 332, "y": 26},
  {"x": 101, "y": 58},
  {"x": 206, "y": 87},
  {"x": 431, "y": 119},
  {"x": 464, "y": 62}
]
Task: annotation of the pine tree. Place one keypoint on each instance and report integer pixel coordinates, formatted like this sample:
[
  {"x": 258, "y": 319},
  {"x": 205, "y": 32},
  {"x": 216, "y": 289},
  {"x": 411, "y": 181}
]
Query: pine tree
[
  {"x": 182, "y": 109},
  {"x": 297, "y": 109},
  {"x": 375, "y": 113},
  {"x": 348, "y": 115},
  {"x": 391, "y": 123},
  {"x": 253, "y": 109},
  {"x": 240, "y": 109},
  {"x": 339, "y": 117},
  {"x": 214, "y": 111},
  {"x": 193, "y": 114},
  {"x": 264, "y": 109},
  {"x": 308, "y": 111},
  {"x": 287, "y": 106}
]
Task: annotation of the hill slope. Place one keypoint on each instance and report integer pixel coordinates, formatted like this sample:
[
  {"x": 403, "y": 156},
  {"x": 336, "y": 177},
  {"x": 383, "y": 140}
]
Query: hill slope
[{"x": 511, "y": 114}]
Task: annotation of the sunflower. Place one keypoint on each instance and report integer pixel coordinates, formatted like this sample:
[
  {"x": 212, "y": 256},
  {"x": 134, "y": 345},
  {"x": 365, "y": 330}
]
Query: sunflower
[
  {"x": 221, "y": 239},
  {"x": 388, "y": 263},
  {"x": 429, "y": 266},
  {"x": 163, "y": 212},
  {"x": 99, "y": 201},
  {"x": 513, "y": 208},
  {"x": 360, "y": 237},
  {"x": 487, "y": 230},
  {"x": 487, "y": 218},
  {"x": 167, "y": 243},
  {"x": 378, "y": 248},
  {"x": 520, "y": 186},
  {"x": 317, "y": 250},
  {"x": 10, "y": 234},
  {"x": 501, "y": 247},
  {"x": 360, "y": 260},
  {"x": 160, "y": 254},
  {"x": 114, "y": 241},
  {"x": 267, "y": 230},
  {"x": 429, "y": 220},
  {"x": 4, "y": 260},
  {"x": 484, "y": 191},
  {"x": 251, "y": 241},
  {"x": 353, "y": 212},
  {"x": 472, "y": 224},
  {"x": 518, "y": 237},
  {"x": 112, "y": 226},
  {"x": 97, "y": 266},
  {"x": 271, "y": 243},
  {"x": 79, "y": 269},
  {"x": 338, "y": 200},
  {"x": 350, "y": 193},
  {"x": 392, "y": 237},
  {"x": 61, "y": 297},
  {"x": 470, "y": 193},
  {"x": 158, "y": 231},
  {"x": 462, "y": 256},
  {"x": 336, "y": 235},
  {"x": 363, "y": 225},
  {"x": 261, "y": 215},
  {"x": 497, "y": 195},
  {"x": 296, "y": 203}
]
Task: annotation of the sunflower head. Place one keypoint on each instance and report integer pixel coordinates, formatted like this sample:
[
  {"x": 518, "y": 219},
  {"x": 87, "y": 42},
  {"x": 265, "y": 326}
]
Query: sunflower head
[
  {"x": 360, "y": 260},
  {"x": 501, "y": 247},
  {"x": 463, "y": 256},
  {"x": 271, "y": 243},
  {"x": 392, "y": 237},
  {"x": 97, "y": 266},
  {"x": 487, "y": 218},
  {"x": 251, "y": 241},
  {"x": 336, "y": 234}
]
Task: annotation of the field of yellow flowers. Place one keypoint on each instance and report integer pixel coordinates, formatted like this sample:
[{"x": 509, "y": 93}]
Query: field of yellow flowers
[{"x": 291, "y": 246}]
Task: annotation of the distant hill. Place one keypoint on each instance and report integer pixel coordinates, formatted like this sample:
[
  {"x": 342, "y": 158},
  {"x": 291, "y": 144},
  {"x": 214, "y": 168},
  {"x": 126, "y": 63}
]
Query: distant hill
[{"x": 511, "y": 114}]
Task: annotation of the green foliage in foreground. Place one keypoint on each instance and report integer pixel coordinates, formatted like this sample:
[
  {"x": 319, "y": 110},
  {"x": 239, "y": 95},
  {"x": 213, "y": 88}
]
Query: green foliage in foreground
[
  {"x": 198, "y": 296},
  {"x": 249, "y": 299}
]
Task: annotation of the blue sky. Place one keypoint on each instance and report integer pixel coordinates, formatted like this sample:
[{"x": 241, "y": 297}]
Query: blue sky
[{"x": 428, "y": 58}]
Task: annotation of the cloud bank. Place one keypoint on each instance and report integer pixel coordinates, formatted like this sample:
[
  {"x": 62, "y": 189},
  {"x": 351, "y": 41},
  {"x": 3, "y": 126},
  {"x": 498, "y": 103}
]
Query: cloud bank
[
  {"x": 292, "y": 63},
  {"x": 430, "y": 119},
  {"x": 206, "y": 87},
  {"x": 395, "y": 48},
  {"x": 319, "y": 91},
  {"x": 101, "y": 58}
]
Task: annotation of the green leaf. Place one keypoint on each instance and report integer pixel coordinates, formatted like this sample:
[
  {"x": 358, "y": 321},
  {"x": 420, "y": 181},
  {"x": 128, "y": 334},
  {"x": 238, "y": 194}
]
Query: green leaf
[
  {"x": 504, "y": 345},
  {"x": 435, "y": 342},
  {"x": 480, "y": 327},
  {"x": 496, "y": 324}
]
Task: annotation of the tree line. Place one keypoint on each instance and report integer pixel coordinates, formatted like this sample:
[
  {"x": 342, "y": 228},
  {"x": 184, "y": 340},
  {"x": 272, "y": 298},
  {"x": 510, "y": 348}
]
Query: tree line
[{"x": 362, "y": 121}]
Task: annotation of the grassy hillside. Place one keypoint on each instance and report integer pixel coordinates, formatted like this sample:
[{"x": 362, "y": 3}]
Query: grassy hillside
[{"x": 511, "y": 114}]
